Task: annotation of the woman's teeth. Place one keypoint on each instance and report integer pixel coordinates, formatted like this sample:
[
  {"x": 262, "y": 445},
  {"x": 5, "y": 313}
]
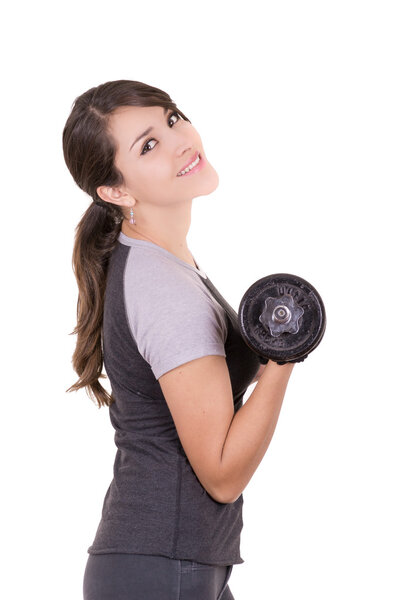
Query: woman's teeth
[{"x": 190, "y": 167}]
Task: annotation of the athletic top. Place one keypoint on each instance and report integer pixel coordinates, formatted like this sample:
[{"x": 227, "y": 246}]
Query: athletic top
[{"x": 159, "y": 313}]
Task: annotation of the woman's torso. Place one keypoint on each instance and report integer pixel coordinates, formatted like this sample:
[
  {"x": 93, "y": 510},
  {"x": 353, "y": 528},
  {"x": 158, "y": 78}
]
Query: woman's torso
[{"x": 155, "y": 504}]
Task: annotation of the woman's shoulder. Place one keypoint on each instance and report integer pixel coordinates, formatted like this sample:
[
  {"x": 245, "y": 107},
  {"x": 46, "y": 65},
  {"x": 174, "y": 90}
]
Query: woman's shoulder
[{"x": 150, "y": 268}]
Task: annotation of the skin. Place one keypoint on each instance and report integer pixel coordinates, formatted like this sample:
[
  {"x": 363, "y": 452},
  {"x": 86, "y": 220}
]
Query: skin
[{"x": 161, "y": 201}]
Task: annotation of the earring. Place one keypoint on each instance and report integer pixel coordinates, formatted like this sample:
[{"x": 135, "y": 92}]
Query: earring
[{"x": 132, "y": 220}]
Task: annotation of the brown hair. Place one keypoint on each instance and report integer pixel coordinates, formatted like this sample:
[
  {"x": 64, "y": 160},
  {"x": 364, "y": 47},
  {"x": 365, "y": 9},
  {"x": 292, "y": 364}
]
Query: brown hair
[{"x": 89, "y": 152}]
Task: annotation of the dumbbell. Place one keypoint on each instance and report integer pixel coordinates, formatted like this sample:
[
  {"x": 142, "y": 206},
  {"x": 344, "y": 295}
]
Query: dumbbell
[{"x": 282, "y": 318}]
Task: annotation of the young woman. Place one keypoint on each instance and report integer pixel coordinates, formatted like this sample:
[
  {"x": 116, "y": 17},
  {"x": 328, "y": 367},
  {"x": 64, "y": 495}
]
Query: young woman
[{"x": 187, "y": 446}]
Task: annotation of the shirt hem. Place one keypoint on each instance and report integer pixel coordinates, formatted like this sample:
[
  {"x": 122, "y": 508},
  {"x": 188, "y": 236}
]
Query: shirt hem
[
  {"x": 179, "y": 360},
  {"x": 222, "y": 563}
]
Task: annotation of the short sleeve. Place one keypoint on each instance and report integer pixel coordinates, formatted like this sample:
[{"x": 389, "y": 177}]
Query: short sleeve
[{"x": 174, "y": 320}]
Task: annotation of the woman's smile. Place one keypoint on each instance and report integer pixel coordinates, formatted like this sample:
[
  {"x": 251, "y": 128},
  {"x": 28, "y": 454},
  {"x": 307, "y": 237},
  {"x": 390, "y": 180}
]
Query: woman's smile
[{"x": 193, "y": 167}]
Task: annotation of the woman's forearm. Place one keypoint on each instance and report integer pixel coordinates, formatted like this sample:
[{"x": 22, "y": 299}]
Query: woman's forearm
[
  {"x": 251, "y": 430},
  {"x": 258, "y": 374}
]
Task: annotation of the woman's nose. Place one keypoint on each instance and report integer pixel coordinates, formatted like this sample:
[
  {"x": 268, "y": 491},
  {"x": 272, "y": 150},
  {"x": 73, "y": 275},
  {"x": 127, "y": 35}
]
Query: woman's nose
[
  {"x": 182, "y": 143},
  {"x": 184, "y": 148}
]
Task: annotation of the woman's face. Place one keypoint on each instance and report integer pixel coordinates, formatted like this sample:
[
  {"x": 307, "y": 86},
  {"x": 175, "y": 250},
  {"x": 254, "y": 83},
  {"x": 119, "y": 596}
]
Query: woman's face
[{"x": 150, "y": 163}]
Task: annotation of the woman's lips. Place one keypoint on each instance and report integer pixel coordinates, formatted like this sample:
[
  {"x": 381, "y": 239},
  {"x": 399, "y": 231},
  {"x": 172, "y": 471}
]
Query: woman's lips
[
  {"x": 195, "y": 169},
  {"x": 190, "y": 161}
]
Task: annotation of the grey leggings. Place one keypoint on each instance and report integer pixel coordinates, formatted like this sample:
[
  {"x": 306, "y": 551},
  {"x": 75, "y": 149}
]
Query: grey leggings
[{"x": 117, "y": 576}]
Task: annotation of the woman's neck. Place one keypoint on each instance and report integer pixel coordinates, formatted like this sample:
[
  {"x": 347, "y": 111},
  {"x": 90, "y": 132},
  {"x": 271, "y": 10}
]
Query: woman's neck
[{"x": 181, "y": 252}]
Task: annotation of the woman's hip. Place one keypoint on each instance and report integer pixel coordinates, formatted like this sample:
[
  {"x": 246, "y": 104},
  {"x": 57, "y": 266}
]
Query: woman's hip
[{"x": 117, "y": 576}]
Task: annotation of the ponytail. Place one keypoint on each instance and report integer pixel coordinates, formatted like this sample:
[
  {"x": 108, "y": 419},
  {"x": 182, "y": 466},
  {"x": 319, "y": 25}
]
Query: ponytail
[{"x": 95, "y": 238}]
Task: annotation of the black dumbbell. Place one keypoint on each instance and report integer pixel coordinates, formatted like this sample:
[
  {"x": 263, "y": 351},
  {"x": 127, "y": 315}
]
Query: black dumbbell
[{"x": 282, "y": 318}]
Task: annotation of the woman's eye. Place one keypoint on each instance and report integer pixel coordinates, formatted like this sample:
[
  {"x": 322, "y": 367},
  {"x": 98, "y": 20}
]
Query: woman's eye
[
  {"x": 174, "y": 114},
  {"x": 146, "y": 147}
]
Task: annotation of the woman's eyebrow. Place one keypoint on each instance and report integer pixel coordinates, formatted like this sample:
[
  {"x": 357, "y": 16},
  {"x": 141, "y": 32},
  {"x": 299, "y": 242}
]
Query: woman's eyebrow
[{"x": 144, "y": 133}]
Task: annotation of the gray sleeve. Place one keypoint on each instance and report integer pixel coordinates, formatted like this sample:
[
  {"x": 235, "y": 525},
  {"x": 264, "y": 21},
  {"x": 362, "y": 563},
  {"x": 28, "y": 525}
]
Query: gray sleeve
[{"x": 173, "y": 320}]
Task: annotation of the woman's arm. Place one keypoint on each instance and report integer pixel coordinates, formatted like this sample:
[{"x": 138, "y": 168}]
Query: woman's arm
[
  {"x": 251, "y": 430},
  {"x": 258, "y": 374},
  {"x": 223, "y": 448}
]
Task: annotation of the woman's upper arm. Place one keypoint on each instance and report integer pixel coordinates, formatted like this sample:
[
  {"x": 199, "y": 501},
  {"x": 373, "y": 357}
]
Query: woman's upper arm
[{"x": 199, "y": 397}]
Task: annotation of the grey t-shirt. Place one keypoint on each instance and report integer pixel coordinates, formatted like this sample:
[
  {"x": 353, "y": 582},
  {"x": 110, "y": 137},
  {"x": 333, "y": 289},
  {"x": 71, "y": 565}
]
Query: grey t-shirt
[{"x": 159, "y": 313}]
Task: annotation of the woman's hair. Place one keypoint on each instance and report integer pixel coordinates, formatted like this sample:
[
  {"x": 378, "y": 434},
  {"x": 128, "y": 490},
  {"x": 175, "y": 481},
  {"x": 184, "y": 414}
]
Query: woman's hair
[{"x": 89, "y": 152}]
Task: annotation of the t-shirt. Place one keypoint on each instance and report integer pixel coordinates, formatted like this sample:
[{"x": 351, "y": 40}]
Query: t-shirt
[{"x": 159, "y": 313}]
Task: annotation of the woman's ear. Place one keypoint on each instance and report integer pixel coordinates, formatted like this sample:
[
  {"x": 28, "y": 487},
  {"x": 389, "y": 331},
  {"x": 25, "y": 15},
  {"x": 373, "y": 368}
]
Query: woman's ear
[{"x": 115, "y": 195}]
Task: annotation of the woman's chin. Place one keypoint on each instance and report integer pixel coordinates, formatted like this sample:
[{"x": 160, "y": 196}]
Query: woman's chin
[
  {"x": 212, "y": 179},
  {"x": 206, "y": 183}
]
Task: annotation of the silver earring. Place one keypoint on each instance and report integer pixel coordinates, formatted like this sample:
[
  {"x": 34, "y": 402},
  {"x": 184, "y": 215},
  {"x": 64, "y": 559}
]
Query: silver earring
[{"x": 132, "y": 220}]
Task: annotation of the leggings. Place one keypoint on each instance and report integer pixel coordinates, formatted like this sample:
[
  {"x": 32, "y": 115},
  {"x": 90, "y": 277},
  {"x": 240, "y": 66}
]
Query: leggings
[{"x": 116, "y": 576}]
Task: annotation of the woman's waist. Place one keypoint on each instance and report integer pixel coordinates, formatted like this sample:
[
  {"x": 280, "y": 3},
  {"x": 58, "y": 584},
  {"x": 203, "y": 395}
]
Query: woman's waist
[{"x": 142, "y": 477}]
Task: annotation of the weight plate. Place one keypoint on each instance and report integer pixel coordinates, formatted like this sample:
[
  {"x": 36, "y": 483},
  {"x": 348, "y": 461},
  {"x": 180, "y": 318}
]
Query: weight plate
[{"x": 282, "y": 317}]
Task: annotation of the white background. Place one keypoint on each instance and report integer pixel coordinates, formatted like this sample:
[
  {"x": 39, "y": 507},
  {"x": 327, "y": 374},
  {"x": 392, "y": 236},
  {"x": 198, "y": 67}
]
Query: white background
[{"x": 297, "y": 104}]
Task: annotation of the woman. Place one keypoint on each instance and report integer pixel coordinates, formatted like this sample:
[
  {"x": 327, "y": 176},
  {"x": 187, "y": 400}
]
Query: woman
[{"x": 177, "y": 363}]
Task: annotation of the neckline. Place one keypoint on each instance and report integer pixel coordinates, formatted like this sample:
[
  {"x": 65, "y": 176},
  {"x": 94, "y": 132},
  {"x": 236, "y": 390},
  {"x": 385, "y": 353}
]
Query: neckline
[{"x": 130, "y": 241}]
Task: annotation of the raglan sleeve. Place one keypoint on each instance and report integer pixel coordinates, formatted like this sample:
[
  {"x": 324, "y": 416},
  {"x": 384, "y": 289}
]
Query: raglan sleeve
[{"x": 174, "y": 322}]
